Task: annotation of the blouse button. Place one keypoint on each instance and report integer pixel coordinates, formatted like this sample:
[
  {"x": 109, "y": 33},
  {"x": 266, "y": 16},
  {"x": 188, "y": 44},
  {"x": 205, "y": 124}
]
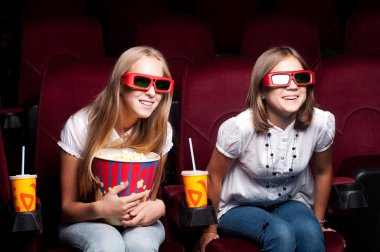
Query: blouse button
[
  {"x": 284, "y": 140},
  {"x": 282, "y": 157}
]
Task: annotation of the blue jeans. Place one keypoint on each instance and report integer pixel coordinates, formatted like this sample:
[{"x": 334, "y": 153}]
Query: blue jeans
[
  {"x": 97, "y": 237},
  {"x": 290, "y": 226}
]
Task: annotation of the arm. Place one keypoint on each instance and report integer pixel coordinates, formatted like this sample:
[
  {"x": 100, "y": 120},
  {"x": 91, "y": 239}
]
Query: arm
[
  {"x": 218, "y": 167},
  {"x": 323, "y": 177},
  {"x": 150, "y": 211},
  {"x": 75, "y": 211}
]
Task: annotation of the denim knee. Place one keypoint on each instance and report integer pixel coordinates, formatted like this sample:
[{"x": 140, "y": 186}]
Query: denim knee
[
  {"x": 143, "y": 245},
  {"x": 310, "y": 238},
  {"x": 148, "y": 238},
  {"x": 279, "y": 236},
  {"x": 91, "y": 237},
  {"x": 107, "y": 243}
]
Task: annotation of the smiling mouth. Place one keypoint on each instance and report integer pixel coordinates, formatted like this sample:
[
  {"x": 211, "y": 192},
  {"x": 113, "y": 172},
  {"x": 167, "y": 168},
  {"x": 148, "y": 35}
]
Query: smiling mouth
[
  {"x": 290, "y": 98},
  {"x": 147, "y": 103}
]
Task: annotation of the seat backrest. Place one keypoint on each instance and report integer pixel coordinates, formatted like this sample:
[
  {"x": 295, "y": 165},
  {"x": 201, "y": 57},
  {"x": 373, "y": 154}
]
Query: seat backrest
[
  {"x": 348, "y": 86},
  {"x": 123, "y": 18},
  {"x": 38, "y": 8},
  {"x": 66, "y": 88},
  {"x": 363, "y": 32},
  {"x": 51, "y": 40},
  {"x": 268, "y": 31},
  {"x": 4, "y": 188},
  {"x": 183, "y": 40},
  {"x": 327, "y": 14},
  {"x": 4, "y": 193},
  {"x": 226, "y": 19},
  {"x": 213, "y": 91}
]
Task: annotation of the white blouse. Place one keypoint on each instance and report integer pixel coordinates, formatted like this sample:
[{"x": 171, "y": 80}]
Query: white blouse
[
  {"x": 259, "y": 178},
  {"x": 74, "y": 135}
]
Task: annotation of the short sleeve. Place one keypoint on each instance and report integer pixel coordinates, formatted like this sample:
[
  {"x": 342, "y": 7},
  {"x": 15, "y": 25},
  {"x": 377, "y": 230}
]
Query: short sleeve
[
  {"x": 326, "y": 134},
  {"x": 169, "y": 140},
  {"x": 229, "y": 139},
  {"x": 74, "y": 134}
]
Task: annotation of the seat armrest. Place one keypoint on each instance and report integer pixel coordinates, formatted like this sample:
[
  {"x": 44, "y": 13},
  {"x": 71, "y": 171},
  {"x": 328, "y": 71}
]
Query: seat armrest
[
  {"x": 174, "y": 196},
  {"x": 11, "y": 117},
  {"x": 346, "y": 197}
]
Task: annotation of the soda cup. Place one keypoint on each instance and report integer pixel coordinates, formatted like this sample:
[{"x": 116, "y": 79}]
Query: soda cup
[
  {"x": 23, "y": 192},
  {"x": 195, "y": 183}
]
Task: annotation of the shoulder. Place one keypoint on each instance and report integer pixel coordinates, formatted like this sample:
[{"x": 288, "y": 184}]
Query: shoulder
[
  {"x": 238, "y": 127},
  {"x": 81, "y": 115},
  {"x": 78, "y": 119},
  {"x": 242, "y": 122},
  {"x": 234, "y": 134},
  {"x": 322, "y": 118},
  {"x": 169, "y": 130},
  {"x": 169, "y": 127}
]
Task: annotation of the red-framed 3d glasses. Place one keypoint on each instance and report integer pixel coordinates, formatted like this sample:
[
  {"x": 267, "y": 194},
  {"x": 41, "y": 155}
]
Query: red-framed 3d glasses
[
  {"x": 283, "y": 79},
  {"x": 144, "y": 82}
]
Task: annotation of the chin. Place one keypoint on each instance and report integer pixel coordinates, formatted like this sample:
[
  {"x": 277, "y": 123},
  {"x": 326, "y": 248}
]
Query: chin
[{"x": 145, "y": 114}]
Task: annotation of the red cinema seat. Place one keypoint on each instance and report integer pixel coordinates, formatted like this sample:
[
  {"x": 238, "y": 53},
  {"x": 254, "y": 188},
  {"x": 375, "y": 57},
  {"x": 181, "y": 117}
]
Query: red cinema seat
[
  {"x": 267, "y": 31},
  {"x": 66, "y": 88},
  {"x": 204, "y": 106}
]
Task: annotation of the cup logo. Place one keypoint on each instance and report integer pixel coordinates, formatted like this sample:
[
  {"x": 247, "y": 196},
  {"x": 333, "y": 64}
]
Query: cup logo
[
  {"x": 27, "y": 200},
  {"x": 196, "y": 195}
]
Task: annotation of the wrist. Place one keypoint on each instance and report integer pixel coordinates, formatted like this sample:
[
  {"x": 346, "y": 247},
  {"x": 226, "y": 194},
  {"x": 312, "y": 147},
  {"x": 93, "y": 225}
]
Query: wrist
[
  {"x": 211, "y": 229},
  {"x": 161, "y": 205},
  {"x": 97, "y": 209}
]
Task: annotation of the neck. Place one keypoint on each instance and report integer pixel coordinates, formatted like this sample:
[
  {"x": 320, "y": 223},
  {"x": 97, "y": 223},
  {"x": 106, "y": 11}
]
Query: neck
[
  {"x": 123, "y": 124},
  {"x": 125, "y": 120},
  {"x": 281, "y": 121}
]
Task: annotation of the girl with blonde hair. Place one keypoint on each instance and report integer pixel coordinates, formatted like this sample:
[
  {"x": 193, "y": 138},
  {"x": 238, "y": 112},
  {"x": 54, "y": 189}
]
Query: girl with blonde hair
[{"x": 131, "y": 111}]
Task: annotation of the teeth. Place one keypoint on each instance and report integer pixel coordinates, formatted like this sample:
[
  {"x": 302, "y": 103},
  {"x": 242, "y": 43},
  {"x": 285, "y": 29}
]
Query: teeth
[
  {"x": 146, "y": 103},
  {"x": 290, "y": 97}
]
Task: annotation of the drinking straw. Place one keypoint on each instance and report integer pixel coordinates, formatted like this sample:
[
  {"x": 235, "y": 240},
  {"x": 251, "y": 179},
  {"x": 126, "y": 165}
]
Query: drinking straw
[
  {"x": 22, "y": 160},
  {"x": 192, "y": 154}
]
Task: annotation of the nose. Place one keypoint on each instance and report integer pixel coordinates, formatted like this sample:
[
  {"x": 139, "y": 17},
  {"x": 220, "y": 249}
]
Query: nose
[
  {"x": 292, "y": 84},
  {"x": 151, "y": 91}
]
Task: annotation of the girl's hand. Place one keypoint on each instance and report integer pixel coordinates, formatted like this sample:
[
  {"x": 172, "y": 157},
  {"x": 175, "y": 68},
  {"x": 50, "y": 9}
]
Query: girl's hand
[
  {"x": 144, "y": 214},
  {"x": 113, "y": 206},
  {"x": 327, "y": 229},
  {"x": 331, "y": 230},
  {"x": 206, "y": 238}
]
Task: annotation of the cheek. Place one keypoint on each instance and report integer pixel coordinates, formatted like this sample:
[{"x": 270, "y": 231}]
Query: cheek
[
  {"x": 304, "y": 93},
  {"x": 158, "y": 97},
  {"x": 273, "y": 96}
]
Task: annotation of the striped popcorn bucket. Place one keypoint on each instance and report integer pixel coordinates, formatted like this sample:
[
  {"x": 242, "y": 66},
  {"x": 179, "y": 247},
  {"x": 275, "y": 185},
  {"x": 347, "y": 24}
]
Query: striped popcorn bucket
[{"x": 110, "y": 171}]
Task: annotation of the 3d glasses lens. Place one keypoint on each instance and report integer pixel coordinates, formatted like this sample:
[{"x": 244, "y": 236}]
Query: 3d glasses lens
[
  {"x": 163, "y": 84},
  {"x": 140, "y": 81},
  {"x": 303, "y": 78},
  {"x": 280, "y": 79}
]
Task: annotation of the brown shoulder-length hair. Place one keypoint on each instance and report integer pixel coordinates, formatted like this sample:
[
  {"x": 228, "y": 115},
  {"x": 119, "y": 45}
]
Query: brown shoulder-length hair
[
  {"x": 149, "y": 134},
  {"x": 264, "y": 64}
]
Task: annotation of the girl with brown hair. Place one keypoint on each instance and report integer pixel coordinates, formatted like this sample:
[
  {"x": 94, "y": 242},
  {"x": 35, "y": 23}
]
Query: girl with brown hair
[{"x": 260, "y": 180}]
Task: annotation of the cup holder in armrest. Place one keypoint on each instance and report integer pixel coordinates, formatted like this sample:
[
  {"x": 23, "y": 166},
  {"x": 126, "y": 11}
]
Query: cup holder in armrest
[
  {"x": 27, "y": 221},
  {"x": 197, "y": 216},
  {"x": 348, "y": 196}
]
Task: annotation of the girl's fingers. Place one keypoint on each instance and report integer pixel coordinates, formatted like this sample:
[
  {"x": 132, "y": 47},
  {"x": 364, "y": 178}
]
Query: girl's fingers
[
  {"x": 137, "y": 196},
  {"x": 118, "y": 189}
]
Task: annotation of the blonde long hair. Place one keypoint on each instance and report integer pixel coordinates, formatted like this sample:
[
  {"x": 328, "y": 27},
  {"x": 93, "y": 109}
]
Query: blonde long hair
[
  {"x": 264, "y": 64},
  {"x": 149, "y": 134}
]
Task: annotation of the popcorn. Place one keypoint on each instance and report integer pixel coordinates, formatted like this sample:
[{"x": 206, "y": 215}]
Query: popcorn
[
  {"x": 140, "y": 183},
  {"x": 123, "y": 156}
]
